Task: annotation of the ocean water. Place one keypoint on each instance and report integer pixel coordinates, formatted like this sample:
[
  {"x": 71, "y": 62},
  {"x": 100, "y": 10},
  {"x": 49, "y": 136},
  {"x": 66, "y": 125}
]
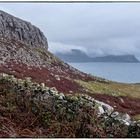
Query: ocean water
[{"x": 119, "y": 72}]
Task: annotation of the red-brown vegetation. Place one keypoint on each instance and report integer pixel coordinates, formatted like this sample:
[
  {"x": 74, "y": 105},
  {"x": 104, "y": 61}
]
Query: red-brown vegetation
[
  {"x": 41, "y": 75},
  {"x": 67, "y": 85},
  {"x": 130, "y": 105}
]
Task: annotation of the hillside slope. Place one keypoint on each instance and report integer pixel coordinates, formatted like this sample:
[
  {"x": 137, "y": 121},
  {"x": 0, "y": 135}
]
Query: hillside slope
[{"x": 24, "y": 53}]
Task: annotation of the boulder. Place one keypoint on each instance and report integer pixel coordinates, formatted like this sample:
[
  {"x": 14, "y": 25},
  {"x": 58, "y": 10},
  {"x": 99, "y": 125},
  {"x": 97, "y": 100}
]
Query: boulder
[
  {"x": 107, "y": 108},
  {"x": 124, "y": 118},
  {"x": 61, "y": 96},
  {"x": 100, "y": 110},
  {"x": 114, "y": 114}
]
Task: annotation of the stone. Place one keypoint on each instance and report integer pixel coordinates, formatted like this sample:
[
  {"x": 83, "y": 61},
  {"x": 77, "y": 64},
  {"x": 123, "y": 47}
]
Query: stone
[
  {"x": 138, "y": 124},
  {"x": 121, "y": 100},
  {"x": 42, "y": 84},
  {"x": 107, "y": 108},
  {"x": 126, "y": 123},
  {"x": 114, "y": 114},
  {"x": 61, "y": 94},
  {"x": 60, "y": 97},
  {"x": 4, "y": 74},
  {"x": 100, "y": 110},
  {"x": 57, "y": 77},
  {"x": 53, "y": 91},
  {"x": 126, "y": 117},
  {"x": 28, "y": 79}
]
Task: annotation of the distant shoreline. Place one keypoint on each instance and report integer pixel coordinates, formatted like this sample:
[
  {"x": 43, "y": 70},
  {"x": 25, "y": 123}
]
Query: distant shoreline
[{"x": 100, "y": 62}]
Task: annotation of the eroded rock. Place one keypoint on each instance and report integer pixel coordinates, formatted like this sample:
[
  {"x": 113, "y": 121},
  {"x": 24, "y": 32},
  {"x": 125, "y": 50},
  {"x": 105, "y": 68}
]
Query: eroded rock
[{"x": 16, "y": 29}]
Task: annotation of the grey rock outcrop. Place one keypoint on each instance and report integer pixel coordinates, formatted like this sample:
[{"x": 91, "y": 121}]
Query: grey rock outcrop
[{"x": 16, "y": 29}]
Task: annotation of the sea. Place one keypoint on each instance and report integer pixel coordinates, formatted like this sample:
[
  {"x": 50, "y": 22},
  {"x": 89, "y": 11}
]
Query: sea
[{"x": 119, "y": 72}]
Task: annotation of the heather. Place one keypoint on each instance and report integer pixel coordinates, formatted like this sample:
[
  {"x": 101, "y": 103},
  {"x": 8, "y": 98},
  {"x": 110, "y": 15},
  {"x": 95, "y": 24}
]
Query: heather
[{"x": 29, "y": 109}]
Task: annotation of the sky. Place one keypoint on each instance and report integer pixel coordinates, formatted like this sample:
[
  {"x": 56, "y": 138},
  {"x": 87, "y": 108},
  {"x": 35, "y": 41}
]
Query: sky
[{"x": 98, "y": 29}]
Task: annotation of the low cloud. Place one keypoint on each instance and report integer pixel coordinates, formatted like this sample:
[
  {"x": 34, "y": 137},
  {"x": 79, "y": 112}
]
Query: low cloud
[
  {"x": 57, "y": 47},
  {"x": 98, "y": 29},
  {"x": 128, "y": 46}
]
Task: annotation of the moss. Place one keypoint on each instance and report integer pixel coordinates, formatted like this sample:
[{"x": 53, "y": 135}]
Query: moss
[
  {"x": 136, "y": 117},
  {"x": 46, "y": 118}
]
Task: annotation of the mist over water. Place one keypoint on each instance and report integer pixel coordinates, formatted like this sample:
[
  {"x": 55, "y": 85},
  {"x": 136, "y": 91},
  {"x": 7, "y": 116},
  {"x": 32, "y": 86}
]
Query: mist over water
[{"x": 119, "y": 72}]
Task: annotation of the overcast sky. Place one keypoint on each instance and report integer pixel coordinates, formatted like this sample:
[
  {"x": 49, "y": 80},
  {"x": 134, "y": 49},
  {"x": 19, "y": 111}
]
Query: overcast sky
[{"x": 98, "y": 29}]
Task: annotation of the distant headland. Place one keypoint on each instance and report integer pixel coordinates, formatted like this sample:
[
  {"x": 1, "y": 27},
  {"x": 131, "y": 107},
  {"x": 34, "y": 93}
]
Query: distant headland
[{"x": 79, "y": 56}]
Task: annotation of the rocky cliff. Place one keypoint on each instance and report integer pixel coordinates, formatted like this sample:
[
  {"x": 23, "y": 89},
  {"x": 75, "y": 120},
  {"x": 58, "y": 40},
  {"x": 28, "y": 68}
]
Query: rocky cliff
[{"x": 16, "y": 29}]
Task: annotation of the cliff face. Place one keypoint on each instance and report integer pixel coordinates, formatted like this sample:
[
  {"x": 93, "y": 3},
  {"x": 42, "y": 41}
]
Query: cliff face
[{"x": 17, "y": 29}]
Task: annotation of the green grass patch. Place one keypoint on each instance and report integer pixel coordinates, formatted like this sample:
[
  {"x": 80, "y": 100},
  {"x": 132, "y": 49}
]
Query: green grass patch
[
  {"x": 136, "y": 117},
  {"x": 112, "y": 88}
]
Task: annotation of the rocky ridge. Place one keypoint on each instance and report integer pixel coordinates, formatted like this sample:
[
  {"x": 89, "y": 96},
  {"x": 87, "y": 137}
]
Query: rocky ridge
[{"x": 17, "y": 29}]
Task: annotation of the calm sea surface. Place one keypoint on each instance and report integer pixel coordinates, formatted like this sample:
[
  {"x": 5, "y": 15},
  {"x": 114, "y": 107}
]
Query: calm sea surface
[{"x": 120, "y": 72}]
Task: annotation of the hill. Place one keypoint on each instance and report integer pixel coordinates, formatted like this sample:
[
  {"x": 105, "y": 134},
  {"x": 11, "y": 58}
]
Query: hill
[
  {"x": 79, "y": 56},
  {"x": 42, "y": 96}
]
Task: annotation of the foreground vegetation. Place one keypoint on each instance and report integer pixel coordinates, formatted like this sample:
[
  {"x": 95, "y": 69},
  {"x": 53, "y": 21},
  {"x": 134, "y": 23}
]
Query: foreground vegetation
[
  {"x": 118, "y": 90},
  {"x": 31, "y": 110}
]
